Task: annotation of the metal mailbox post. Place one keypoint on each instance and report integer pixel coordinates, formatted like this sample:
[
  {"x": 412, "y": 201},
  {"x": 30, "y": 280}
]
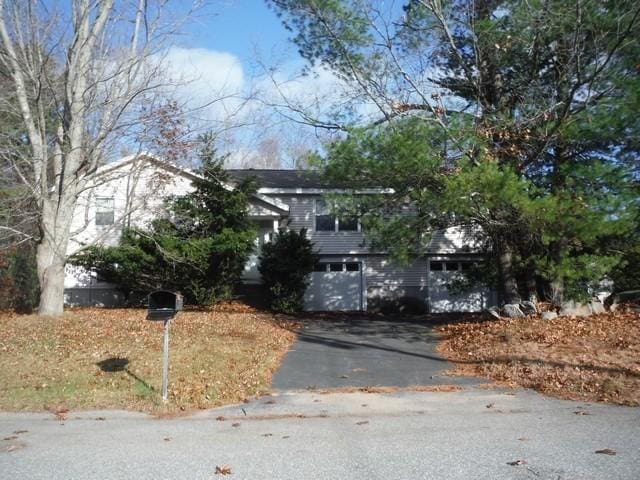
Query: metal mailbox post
[{"x": 163, "y": 305}]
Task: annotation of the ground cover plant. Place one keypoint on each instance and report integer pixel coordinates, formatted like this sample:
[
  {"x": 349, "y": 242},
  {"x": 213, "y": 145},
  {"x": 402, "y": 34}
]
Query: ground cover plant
[
  {"x": 93, "y": 358},
  {"x": 593, "y": 358}
]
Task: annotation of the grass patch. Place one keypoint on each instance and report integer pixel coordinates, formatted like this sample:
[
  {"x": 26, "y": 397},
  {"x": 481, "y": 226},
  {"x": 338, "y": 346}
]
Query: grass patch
[
  {"x": 593, "y": 358},
  {"x": 94, "y": 358}
]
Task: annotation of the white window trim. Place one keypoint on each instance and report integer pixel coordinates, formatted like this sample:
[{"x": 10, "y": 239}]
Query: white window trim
[
  {"x": 113, "y": 210},
  {"x": 336, "y": 221}
]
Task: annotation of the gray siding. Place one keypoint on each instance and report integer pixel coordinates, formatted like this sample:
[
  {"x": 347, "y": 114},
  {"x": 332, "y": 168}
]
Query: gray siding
[
  {"x": 301, "y": 215},
  {"x": 380, "y": 270},
  {"x": 459, "y": 239}
]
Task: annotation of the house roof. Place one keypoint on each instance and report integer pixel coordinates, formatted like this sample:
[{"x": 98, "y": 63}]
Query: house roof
[
  {"x": 284, "y": 178},
  {"x": 147, "y": 157}
]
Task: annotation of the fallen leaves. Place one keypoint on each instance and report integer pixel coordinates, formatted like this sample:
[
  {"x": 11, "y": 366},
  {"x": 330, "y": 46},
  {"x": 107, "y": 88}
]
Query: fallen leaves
[
  {"x": 218, "y": 356},
  {"x": 595, "y": 358},
  {"x": 516, "y": 463},
  {"x": 223, "y": 470},
  {"x": 606, "y": 451}
]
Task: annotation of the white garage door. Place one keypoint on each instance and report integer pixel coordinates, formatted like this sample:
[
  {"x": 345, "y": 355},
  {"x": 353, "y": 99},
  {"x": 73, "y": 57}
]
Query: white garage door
[
  {"x": 335, "y": 286},
  {"x": 441, "y": 300}
]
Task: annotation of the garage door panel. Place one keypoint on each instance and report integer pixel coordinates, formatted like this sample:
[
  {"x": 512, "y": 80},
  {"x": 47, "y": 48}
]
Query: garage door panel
[{"x": 334, "y": 291}]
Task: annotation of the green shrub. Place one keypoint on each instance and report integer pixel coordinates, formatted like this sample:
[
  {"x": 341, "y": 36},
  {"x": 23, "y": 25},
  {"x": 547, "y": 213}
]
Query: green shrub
[
  {"x": 19, "y": 288},
  {"x": 199, "y": 249},
  {"x": 285, "y": 264}
]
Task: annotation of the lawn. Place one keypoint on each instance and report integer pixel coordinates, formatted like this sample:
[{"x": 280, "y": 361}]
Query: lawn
[
  {"x": 593, "y": 358},
  {"x": 112, "y": 358}
]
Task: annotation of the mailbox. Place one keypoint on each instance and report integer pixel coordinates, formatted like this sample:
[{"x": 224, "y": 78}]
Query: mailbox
[{"x": 163, "y": 305}]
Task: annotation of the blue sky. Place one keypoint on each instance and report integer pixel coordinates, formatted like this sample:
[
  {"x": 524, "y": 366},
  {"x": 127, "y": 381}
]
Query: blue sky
[
  {"x": 216, "y": 57},
  {"x": 236, "y": 26}
]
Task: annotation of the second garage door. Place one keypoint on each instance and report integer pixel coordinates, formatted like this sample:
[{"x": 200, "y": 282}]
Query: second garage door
[{"x": 335, "y": 286}]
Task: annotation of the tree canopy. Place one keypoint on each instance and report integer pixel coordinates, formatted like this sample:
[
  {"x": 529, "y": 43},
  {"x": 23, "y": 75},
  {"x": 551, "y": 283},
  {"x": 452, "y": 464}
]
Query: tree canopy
[{"x": 515, "y": 116}]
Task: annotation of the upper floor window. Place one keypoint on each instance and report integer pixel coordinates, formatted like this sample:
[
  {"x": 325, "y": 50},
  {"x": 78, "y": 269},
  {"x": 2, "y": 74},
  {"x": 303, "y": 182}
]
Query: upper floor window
[
  {"x": 326, "y": 222},
  {"x": 104, "y": 210}
]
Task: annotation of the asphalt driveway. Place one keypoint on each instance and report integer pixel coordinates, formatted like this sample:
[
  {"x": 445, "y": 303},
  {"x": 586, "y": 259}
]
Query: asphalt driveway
[{"x": 334, "y": 351}]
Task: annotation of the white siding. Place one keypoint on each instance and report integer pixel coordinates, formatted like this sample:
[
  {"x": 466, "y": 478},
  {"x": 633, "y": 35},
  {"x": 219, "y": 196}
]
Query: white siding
[{"x": 139, "y": 190}]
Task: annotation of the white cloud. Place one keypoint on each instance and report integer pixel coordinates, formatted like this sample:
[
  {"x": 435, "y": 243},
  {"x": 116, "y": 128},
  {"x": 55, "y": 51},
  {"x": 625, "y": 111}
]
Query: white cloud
[
  {"x": 209, "y": 82},
  {"x": 205, "y": 70}
]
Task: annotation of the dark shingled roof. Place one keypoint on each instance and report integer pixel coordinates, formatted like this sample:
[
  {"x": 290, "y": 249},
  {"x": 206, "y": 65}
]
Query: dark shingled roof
[{"x": 284, "y": 178}]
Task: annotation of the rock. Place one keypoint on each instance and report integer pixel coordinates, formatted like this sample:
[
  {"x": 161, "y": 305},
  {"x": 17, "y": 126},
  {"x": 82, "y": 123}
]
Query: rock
[
  {"x": 512, "y": 310},
  {"x": 548, "y": 315},
  {"x": 573, "y": 309},
  {"x": 596, "y": 306},
  {"x": 528, "y": 308},
  {"x": 630, "y": 298},
  {"x": 493, "y": 312}
]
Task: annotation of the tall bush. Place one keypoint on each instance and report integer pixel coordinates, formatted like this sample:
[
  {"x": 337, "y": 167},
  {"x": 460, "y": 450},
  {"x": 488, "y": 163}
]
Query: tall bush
[
  {"x": 199, "y": 249},
  {"x": 285, "y": 264}
]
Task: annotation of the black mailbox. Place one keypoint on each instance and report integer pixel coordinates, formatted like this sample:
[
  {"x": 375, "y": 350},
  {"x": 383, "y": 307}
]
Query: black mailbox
[{"x": 163, "y": 305}]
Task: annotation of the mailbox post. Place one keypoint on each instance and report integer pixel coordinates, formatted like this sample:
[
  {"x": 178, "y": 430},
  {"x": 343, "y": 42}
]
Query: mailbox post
[{"x": 163, "y": 306}]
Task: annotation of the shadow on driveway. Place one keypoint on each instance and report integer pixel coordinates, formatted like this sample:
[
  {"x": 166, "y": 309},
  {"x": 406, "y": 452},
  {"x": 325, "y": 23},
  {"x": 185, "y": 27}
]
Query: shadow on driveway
[{"x": 334, "y": 351}]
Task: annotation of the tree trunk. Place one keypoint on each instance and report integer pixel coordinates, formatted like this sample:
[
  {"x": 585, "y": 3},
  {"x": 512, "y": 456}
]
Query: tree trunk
[
  {"x": 51, "y": 278},
  {"x": 508, "y": 285},
  {"x": 52, "y": 254},
  {"x": 532, "y": 284}
]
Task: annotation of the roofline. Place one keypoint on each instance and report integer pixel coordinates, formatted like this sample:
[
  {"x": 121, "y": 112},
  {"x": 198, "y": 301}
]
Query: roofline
[
  {"x": 283, "y": 207},
  {"x": 321, "y": 191},
  {"x": 149, "y": 157}
]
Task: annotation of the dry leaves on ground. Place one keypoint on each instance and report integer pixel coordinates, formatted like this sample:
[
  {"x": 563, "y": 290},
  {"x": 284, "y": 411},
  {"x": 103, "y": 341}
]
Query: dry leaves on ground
[
  {"x": 111, "y": 358},
  {"x": 593, "y": 358}
]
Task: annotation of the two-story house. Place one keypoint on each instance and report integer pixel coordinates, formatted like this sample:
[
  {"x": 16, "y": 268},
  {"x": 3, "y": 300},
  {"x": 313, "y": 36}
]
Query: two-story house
[{"x": 348, "y": 276}]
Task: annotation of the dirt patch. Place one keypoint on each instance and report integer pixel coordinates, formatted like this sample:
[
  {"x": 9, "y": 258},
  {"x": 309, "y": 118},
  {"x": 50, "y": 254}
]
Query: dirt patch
[
  {"x": 95, "y": 358},
  {"x": 593, "y": 358}
]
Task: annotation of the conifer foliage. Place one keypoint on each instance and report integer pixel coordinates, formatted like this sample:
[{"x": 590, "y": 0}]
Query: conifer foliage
[
  {"x": 199, "y": 248},
  {"x": 285, "y": 264}
]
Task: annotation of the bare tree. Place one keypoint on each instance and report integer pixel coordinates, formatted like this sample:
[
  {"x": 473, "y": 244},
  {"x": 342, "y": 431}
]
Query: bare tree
[{"x": 77, "y": 76}]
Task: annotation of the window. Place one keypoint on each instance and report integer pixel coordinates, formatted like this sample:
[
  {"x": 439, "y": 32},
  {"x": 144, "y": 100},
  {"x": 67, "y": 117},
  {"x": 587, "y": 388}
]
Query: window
[
  {"x": 466, "y": 266},
  {"x": 436, "y": 267},
  {"x": 349, "y": 224},
  {"x": 104, "y": 211},
  {"x": 353, "y": 267},
  {"x": 326, "y": 222},
  {"x": 335, "y": 267},
  {"x": 452, "y": 266},
  {"x": 320, "y": 267}
]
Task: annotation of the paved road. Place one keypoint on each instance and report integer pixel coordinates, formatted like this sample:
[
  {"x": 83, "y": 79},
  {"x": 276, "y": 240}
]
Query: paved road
[
  {"x": 337, "y": 436},
  {"x": 340, "y": 351}
]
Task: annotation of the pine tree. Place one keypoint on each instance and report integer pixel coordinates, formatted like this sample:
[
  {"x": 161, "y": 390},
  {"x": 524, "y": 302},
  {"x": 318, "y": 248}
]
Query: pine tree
[{"x": 200, "y": 248}]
